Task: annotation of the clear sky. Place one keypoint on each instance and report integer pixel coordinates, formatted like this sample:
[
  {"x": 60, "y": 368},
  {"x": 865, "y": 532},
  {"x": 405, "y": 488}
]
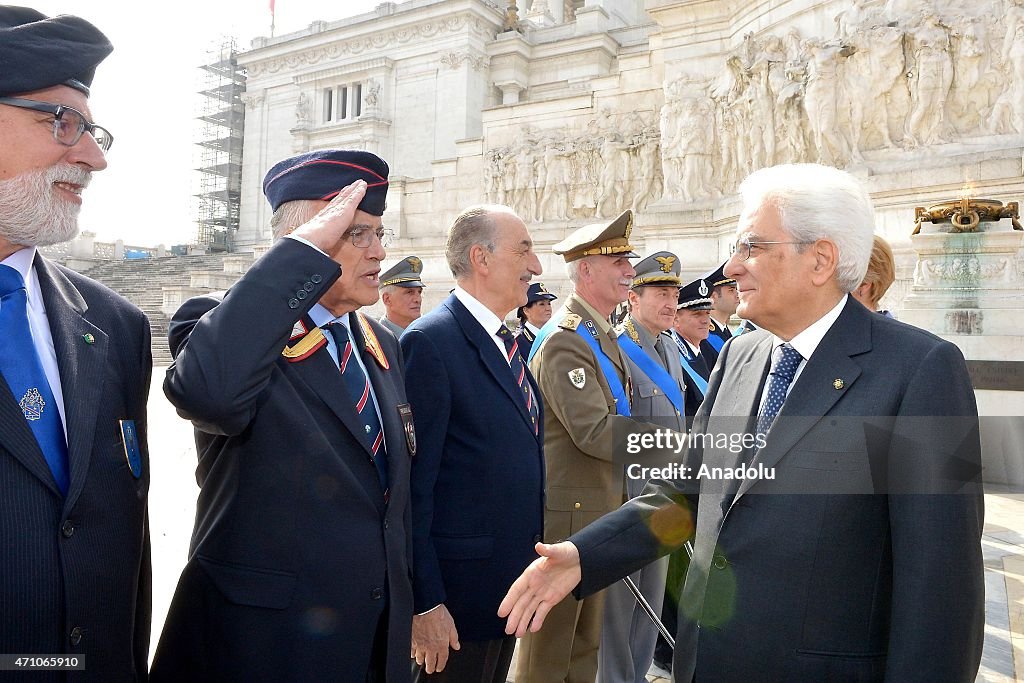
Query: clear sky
[{"x": 145, "y": 94}]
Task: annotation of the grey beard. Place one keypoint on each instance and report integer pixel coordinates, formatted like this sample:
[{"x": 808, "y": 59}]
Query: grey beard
[{"x": 31, "y": 213}]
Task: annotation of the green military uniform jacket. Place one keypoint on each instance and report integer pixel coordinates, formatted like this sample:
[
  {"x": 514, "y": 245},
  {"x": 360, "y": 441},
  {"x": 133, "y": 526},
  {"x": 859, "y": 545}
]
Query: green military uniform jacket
[{"x": 580, "y": 421}]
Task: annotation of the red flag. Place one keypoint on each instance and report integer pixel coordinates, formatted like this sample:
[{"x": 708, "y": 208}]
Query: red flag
[{"x": 271, "y": 6}]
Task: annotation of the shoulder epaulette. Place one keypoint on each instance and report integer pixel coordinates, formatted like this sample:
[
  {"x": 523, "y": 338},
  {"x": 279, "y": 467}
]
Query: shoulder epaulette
[
  {"x": 305, "y": 347},
  {"x": 370, "y": 339},
  {"x": 570, "y": 322},
  {"x": 630, "y": 331}
]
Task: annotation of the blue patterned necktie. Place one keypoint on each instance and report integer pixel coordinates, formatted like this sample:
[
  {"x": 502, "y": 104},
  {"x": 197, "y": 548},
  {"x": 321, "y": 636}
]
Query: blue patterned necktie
[
  {"x": 785, "y": 361},
  {"x": 23, "y": 372},
  {"x": 358, "y": 386},
  {"x": 515, "y": 361}
]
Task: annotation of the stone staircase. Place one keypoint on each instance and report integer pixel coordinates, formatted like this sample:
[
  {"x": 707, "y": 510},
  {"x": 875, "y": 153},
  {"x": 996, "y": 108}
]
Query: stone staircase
[{"x": 141, "y": 282}]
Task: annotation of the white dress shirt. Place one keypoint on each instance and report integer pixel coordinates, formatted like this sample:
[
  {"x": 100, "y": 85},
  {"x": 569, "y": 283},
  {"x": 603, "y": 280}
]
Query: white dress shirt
[
  {"x": 483, "y": 315},
  {"x": 39, "y": 324},
  {"x": 806, "y": 343}
]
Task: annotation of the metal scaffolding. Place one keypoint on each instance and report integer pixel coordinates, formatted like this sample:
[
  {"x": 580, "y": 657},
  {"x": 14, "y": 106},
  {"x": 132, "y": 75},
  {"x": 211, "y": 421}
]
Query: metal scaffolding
[{"x": 222, "y": 118}]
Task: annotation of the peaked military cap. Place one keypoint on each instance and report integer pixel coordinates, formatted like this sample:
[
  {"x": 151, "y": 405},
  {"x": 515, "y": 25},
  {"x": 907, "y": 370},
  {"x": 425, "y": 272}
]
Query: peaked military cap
[
  {"x": 660, "y": 269},
  {"x": 717, "y": 277},
  {"x": 537, "y": 292},
  {"x": 323, "y": 173},
  {"x": 405, "y": 273},
  {"x": 609, "y": 239},
  {"x": 39, "y": 52},
  {"x": 695, "y": 296}
]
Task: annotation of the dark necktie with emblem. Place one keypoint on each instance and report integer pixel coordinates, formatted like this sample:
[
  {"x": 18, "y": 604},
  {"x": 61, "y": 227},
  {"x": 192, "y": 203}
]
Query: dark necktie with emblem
[
  {"x": 515, "y": 361},
  {"x": 23, "y": 372},
  {"x": 358, "y": 385},
  {"x": 785, "y": 361}
]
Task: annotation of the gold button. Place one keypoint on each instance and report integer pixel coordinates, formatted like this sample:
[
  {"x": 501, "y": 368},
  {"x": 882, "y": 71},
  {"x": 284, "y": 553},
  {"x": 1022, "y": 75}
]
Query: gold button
[{"x": 577, "y": 505}]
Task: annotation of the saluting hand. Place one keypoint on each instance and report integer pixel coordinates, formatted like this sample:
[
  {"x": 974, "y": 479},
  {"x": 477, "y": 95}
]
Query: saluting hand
[
  {"x": 544, "y": 584},
  {"x": 432, "y": 634},
  {"x": 325, "y": 229}
]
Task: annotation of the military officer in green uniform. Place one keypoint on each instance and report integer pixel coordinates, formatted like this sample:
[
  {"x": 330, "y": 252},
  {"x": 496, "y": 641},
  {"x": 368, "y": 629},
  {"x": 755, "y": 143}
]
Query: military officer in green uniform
[
  {"x": 584, "y": 380},
  {"x": 401, "y": 292},
  {"x": 628, "y": 635}
]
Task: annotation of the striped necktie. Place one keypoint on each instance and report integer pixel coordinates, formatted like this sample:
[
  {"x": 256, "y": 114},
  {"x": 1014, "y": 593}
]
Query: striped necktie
[
  {"x": 23, "y": 372},
  {"x": 515, "y": 361},
  {"x": 358, "y": 386}
]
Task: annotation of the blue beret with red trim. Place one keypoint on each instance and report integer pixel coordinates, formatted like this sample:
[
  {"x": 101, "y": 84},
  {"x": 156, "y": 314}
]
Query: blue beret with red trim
[
  {"x": 323, "y": 173},
  {"x": 38, "y": 52}
]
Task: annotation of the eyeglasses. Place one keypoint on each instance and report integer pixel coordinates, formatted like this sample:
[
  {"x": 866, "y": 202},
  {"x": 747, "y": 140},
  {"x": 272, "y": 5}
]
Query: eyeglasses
[
  {"x": 68, "y": 123},
  {"x": 362, "y": 236},
  {"x": 744, "y": 245}
]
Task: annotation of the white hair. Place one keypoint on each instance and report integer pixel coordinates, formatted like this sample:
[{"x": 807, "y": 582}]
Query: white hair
[
  {"x": 291, "y": 215},
  {"x": 31, "y": 214},
  {"x": 572, "y": 268},
  {"x": 572, "y": 271},
  {"x": 819, "y": 202}
]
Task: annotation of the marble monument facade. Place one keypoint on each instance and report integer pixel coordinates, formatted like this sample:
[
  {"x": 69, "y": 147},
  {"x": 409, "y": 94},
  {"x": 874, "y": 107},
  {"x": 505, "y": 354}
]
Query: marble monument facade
[{"x": 586, "y": 107}]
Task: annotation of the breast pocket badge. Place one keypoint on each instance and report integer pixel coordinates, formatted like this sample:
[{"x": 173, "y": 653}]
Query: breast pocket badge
[
  {"x": 130, "y": 439},
  {"x": 405, "y": 412}
]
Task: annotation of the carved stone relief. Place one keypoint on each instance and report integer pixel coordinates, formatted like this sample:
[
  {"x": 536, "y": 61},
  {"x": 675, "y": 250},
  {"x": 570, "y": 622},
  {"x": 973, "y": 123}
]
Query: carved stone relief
[
  {"x": 454, "y": 60},
  {"x": 252, "y": 100},
  {"x": 376, "y": 41},
  {"x": 895, "y": 75},
  {"x": 610, "y": 163}
]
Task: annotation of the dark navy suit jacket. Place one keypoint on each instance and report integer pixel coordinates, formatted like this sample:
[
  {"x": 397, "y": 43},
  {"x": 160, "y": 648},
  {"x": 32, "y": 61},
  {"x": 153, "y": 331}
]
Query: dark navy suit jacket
[
  {"x": 74, "y": 571},
  {"x": 478, "y": 474},
  {"x": 296, "y": 560},
  {"x": 861, "y": 560}
]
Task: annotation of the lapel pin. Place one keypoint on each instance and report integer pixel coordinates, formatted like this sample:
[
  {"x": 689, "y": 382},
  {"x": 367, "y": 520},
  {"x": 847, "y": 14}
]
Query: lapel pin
[
  {"x": 89, "y": 339},
  {"x": 838, "y": 384}
]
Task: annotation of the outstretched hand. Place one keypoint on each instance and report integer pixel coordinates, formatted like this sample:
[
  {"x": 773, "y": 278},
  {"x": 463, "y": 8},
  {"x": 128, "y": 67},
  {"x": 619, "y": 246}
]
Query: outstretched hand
[
  {"x": 544, "y": 584},
  {"x": 325, "y": 229}
]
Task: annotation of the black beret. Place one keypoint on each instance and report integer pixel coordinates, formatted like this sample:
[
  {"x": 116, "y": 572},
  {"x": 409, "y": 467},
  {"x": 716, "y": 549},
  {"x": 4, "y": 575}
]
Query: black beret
[
  {"x": 38, "y": 52},
  {"x": 323, "y": 173}
]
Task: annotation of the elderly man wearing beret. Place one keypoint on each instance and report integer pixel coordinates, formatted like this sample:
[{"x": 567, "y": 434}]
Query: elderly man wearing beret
[
  {"x": 75, "y": 366},
  {"x": 299, "y": 567}
]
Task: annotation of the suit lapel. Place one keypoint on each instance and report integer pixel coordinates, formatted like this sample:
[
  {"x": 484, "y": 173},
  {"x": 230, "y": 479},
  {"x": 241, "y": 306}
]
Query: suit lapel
[
  {"x": 321, "y": 375},
  {"x": 746, "y": 380},
  {"x": 17, "y": 438},
  {"x": 81, "y": 366},
  {"x": 491, "y": 358},
  {"x": 815, "y": 392}
]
